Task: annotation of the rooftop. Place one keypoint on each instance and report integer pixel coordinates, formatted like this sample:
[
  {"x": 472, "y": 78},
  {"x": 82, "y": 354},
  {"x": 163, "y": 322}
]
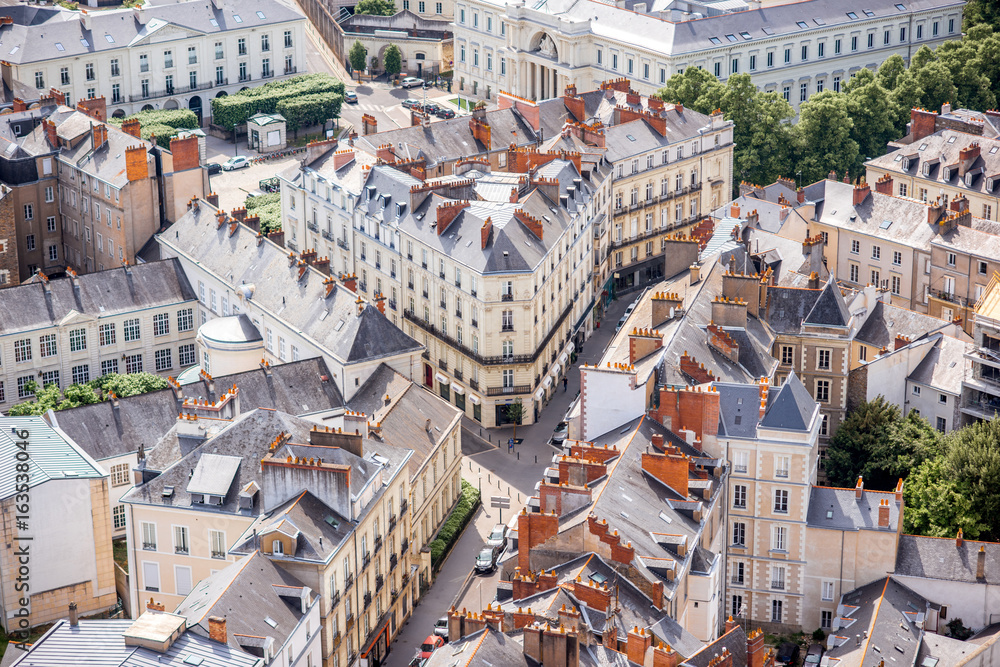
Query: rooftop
[
  {"x": 840, "y": 509},
  {"x": 947, "y": 559},
  {"x": 52, "y": 455}
]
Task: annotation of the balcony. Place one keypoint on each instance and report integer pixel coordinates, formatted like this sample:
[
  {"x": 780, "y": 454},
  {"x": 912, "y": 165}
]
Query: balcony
[
  {"x": 393, "y": 305},
  {"x": 349, "y": 621},
  {"x": 312, "y": 226},
  {"x": 474, "y": 384},
  {"x": 778, "y": 585},
  {"x": 379, "y": 582},
  {"x": 426, "y": 355},
  {"x": 395, "y": 595},
  {"x": 363, "y": 287},
  {"x": 507, "y": 326},
  {"x": 458, "y": 284},
  {"x": 182, "y": 550},
  {"x": 291, "y": 70},
  {"x": 219, "y": 554},
  {"x": 444, "y": 305},
  {"x": 378, "y": 544},
  {"x": 442, "y": 364},
  {"x": 506, "y": 297},
  {"x": 348, "y": 581},
  {"x": 267, "y": 74},
  {"x": 393, "y": 562},
  {"x": 473, "y": 293},
  {"x": 337, "y": 637},
  {"x": 368, "y": 600},
  {"x": 334, "y": 599},
  {"x": 458, "y": 313},
  {"x": 149, "y": 546},
  {"x": 392, "y": 522},
  {"x": 441, "y": 275},
  {"x": 403, "y": 506},
  {"x": 327, "y": 235},
  {"x": 950, "y": 297},
  {"x": 781, "y": 473},
  {"x": 404, "y": 547},
  {"x": 736, "y": 581},
  {"x": 342, "y": 243},
  {"x": 404, "y": 579},
  {"x": 366, "y": 560},
  {"x": 508, "y": 391}
]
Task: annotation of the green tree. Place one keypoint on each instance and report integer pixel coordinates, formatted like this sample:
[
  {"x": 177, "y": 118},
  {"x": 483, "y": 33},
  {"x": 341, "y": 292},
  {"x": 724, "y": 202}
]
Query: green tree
[
  {"x": 50, "y": 398},
  {"x": 130, "y": 384},
  {"x": 935, "y": 83},
  {"x": 358, "y": 56},
  {"x": 823, "y": 136},
  {"x": 871, "y": 111},
  {"x": 309, "y": 110},
  {"x": 761, "y": 131},
  {"x": 695, "y": 89},
  {"x": 962, "y": 60},
  {"x": 375, "y": 7},
  {"x": 904, "y": 97},
  {"x": 973, "y": 458},
  {"x": 515, "y": 413},
  {"x": 937, "y": 504},
  {"x": 890, "y": 70},
  {"x": 392, "y": 60}
]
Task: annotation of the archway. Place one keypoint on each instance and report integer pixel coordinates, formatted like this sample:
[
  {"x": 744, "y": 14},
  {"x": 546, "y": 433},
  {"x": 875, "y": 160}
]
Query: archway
[
  {"x": 171, "y": 104},
  {"x": 194, "y": 104},
  {"x": 119, "y": 113},
  {"x": 147, "y": 107},
  {"x": 222, "y": 94}
]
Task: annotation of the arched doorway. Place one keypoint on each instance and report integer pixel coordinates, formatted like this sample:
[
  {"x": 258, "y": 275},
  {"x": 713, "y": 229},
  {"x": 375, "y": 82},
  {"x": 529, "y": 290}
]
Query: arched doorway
[
  {"x": 171, "y": 104},
  {"x": 147, "y": 107},
  {"x": 420, "y": 57},
  {"x": 222, "y": 94},
  {"x": 119, "y": 113},
  {"x": 194, "y": 104}
]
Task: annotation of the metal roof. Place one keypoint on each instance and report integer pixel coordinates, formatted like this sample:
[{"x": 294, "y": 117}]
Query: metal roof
[
  {"x": 50, "y": 453},
  {"x": 214, "y": 474}
]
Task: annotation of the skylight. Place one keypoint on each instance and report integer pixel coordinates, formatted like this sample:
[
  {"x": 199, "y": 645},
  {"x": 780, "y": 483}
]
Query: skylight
[
  {"x": 270, "y": 621},
  {"x": 869, "y": 12},
  {"x": 745, "y": 35},
  {"x": 951, "y": 140},
  {"x": 802, "y": 24},
  {"x": 768, "y": 30},
  {"x": 715, "y": 40},
  {"x": 60, "y": 47},
  {"x": 885, "y": 224},
  {"x": 214, "y": 23},
  {"x": 630, "y": 137},
  {"x": 731, "y": 38},
  {"x": 598, "y": 578},
  {"x": 83, "y": 40},
  {"x": 922, "y": 147},
  {"x": 819, "y": 21},
  {"x": 901, "y": 7},
  {"x": 14, "y": 50},
  {"x": 852, "y": 16},
  {"x": 193, "y": 659},
  {"x": 897, "y": 158},
  {"x": 111, "y": 40},
  {"x": 236, "y": 17},
  {"x": 993, "y": 150},
  {"x": 261, "y": 16}
]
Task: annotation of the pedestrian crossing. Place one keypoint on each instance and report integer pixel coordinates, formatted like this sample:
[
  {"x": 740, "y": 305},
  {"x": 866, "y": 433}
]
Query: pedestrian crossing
[{"x": 371, "y": 107}]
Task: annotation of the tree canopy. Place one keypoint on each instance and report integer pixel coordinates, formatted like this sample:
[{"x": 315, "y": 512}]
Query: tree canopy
[
  {"x": 358, "y": 57},
  {"x": 50, "y": 397},
  {"x": 392, "y": 60},
  {"x": 375, "y": 7},
  {"x": 235, "y": 109}
]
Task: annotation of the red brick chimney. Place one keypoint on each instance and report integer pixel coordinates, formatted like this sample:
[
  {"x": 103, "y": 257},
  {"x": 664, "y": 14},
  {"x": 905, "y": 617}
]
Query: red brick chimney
[
  {"x": 132, "y": 126},
  {"x": 966, "y": 158},
  {"x": 959, "y": 204},
  {"x": 755, "y": 648},
  {"x": 861, "y": 192},
  {"x": 901, "y": 341},
  {"x": 884, "y": 185},
  {"x": 922, "y": 123},
  {"x": 485, "y": 232},
  {"x": 734, "y": 210},
  {"x": 642, "y": 342},
  {"x": 96, "y": 108},
  {"x": 50, "y": 132},
  {"x": 217, "y": 629},
  {"x": 883, "y": 513},
  {"x": 638, "y": 642},
  {"x": 859, "y": 489},
  {"x": 958, "y": 538},
  {"x": 155, "y": 606},
  {"x": 447, "y": 212},
  {"x": 899, "y": 491},
  {"x": 671, "y": 468},
  {"x": 370, "y": 124},
  {"x": 350, "y": 281},
  {"x": 664, "y": 656}
]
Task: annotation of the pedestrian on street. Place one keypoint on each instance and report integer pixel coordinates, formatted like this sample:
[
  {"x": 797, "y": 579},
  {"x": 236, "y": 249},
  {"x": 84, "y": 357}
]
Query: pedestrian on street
[{"x": 565, "y": 383}]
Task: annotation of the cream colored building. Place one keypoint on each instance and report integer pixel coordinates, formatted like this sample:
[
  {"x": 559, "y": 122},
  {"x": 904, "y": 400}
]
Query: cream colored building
[
  {"x": 61, "y": 509},
  {"x": 76, "y": 329},
  {"x": 795, "y": 49},
  {"x": 159, "y": 56}
]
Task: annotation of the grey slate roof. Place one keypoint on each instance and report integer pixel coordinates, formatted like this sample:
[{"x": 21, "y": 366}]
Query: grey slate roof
[
  {"x": 846, "y": 512},
  {"x": 787, "y": 307},
  {"x": 100, "y": 643},
  {"x": 104, "y": 431},
  {"x": 318, "y": 539},
  {"x": 886, "y": 321},
  {"x": 739, "y": 409},
  {"x": 734, "y": 641},
  {"x": 792, "y": 408},
  {"x": 830, "y": 309},
  {"x": 244, "y": 594},
  {"x": 483, "y": 648},
  {"x": 100, "y": 294},
  {"x": 37, "y": 30},
  {"x": 941, "y": 558},
  {"x": 944, "y": 366},
  {"x": 349, "y": 333}
]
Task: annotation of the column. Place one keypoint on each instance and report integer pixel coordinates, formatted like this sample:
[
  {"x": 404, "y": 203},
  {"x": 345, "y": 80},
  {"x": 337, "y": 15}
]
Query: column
[{"x": 556, "y": 91}]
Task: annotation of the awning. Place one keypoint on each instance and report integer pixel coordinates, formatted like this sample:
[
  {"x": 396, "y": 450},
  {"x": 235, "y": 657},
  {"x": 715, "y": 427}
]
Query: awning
[
  {"x": 571, "y": 347},
  {"x": 473, "y": 399},
  {"x": 547, "y": 381},
  {"x": 457, "y": 388},
  {"x": 442, "y": 377},
  {"x": 555, "y": 370},
  {"x": 563, "y": 357},
  {"x": 539, "y": 393}
]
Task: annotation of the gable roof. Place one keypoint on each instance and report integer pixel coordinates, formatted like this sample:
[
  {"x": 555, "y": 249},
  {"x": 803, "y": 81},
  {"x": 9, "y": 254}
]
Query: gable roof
[
  {"x": 886, "y": 321},
  {"x": 942, "y": 558},
  {"x": 321, "y": 529},
  {"x": 830, "y": 310},
  {"x": 52, "y": 455},
  {"x": 840, "y": 509},
  {"x": 792, "y": 409}
]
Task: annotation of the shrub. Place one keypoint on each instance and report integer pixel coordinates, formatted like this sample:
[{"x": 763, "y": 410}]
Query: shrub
[
  {"x": 460, "y": 516},
  {"x": 164, "y": 123},
  {"x": 237, "y": 108},
  {"x": 819, "y": 635},
  {"x": 49, "y": 397},
  {"x": 308, "y": 110},
  {"x": 267, "y": 207}
]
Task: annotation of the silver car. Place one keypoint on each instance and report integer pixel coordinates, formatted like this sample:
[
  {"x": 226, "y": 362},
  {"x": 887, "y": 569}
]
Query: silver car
[
  {"x": 498, "y": 537},
  {"x": 411, "y": 82}
]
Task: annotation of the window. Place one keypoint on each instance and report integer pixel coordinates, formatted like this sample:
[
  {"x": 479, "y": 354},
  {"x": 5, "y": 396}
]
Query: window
[
  {"x": 902, "y": 34},
  {"x": 241, "y": 46},
  {"x": 875, "y": 276},
  {"x": 782, "y": 465},
  {"x": 788, "y": 56},
  {"x": 803, "y": 92},
  {"x": 942, "y": 424},
  {"x": 133, "y": 363},
  {"x": 39, "y": 80},
  {"x": 896, "y": 284},
  {"x": 740, "y": 496},
  {"x": 161, "y": 324},
  {"x": 805, "y": 52},
  {"x": 107, "y": 334},
  {"x": 29, "y": 211},
  {"x": 24, "y": 386},
  {"x": 824, "y": 425},
  {"x": 951, "y": 259},
  {"x": 118, "y": 515},
  {"x": 163, "y": 359},
  {"x": 776, "y": 611},
  {"x": 871, "y": 40},
  {"x": 823, "y": 359},
  {"x": 786, "y": 92},
  {"x": 120, "y": 474},
  {"x": 779, "y": 538},
  {"x": 168, "y": 59},
  {"x": 186, "y": 355},
  {"x": 826, "y": 619},
  {"x": 81, "y": 374},
  {"x": 885, "y": 37},
  {"x": 828, "y": 590},
  {"x": 718, "y": 69},
  {"x": 217, "y": 543},
  {"x": 819, "y": 86},
  {"x": 737, "y": 606},
  {"x": 739, "y": 569},
  {"x": 47, "y": 345},
  {"x": 148, "y": 536},
  {"x": 876, "y": 252},
  {"x": 185, "y": 319},
  {"x": 787, "y": 354},
  {"x": 739, "y": 534},
  {"x": 753, "y": 63},
  {"x": 822, "y": 391},
  {"x": 181, "y": 543},
  {"x": 741, "y": 461},
  {"x": 50, "y": 377},
  {"x": 951, "y": 26},
  {"x": 265, "y": 42},
  {"x": 131, "y": 329},
  {"x": 770, "y": 58},
  {"x": 781, "y": 500},
  {"x": 820, "y": 49},
  {"x": 109, "y": 366},
  {"x": 854, "y": 43},
  {"x": 920, "y": 32},
  {"x": 854, "y": 273}
]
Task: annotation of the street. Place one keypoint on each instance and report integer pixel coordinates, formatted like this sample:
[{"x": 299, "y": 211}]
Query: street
[{"x": 496, "y": 472}]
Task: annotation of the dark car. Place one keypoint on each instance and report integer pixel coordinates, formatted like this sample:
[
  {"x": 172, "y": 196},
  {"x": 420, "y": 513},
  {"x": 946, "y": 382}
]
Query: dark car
[
  {"x": 486, "y": 561},
  {"x": 788, "y": 653},
  {"x": 213, "y": 168},
  {"x": 351, "y": 97},
  {"x": 814, "y": 654},
  {"x": 432, "y": 108},
  {"x": 417, "y": 661},
  {"x": 444, "y": 113}
]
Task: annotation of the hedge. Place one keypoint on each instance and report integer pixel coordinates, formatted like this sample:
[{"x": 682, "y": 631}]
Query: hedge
[
  {"x": 452, "y": 528},
  {"x": 267, "y": 207},
  {"x": 164, "y": 123},
  {"x": 236, "y": 109},
  {"x": 308, "y": 110}
]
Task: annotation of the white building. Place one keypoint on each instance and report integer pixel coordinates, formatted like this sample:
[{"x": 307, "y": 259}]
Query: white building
[
  {"x": 535, "y": 50},
  {"x": 161, "y": 56}
]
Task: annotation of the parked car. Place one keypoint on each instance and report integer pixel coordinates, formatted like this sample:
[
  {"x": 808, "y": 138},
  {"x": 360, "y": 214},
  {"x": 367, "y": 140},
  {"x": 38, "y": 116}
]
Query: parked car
[
  {"x": 417, "y": 661},
  {"x": 432, "y": 643},
  {"x": 431, "y": 108},
  {"x": 788, "y": 653},
  {"x": 559, "y": 435},
  {"x": 213, "y": 168},
  {"x": 409, "y": 103},
  {"x": 814, "y": 654},
  {"x": 486, "y": 561},
  {"x": 444, "y": 113},
  {"x": 351, "y": 97},
  {"x": 236, "y": 162},
  {"x": 498, "y": 537},
  {"x": 411, "y": 82},
  {"x": 628, "y": 311},
  {"x": 441, "y": 627}
]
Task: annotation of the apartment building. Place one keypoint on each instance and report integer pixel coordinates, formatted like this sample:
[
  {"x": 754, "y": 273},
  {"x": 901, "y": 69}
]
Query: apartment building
[
  {"x": 981, "y": 387},
  {"x": 10, "y": 274},
  {"x": 346, "y": 534},
  {"x": 257, "y": 607},
  {"x": 237, "y": 270},
  {"x": 494, "y": 276},
  {"x": 62, "y": 511},
  {"x": 794, "y": 49},
  {"x": 159, "y": 55},
  {"x": 76, "y": 329}
]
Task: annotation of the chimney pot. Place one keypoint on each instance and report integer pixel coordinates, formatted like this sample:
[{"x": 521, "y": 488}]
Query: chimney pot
[{"x": 74, "y": 616}]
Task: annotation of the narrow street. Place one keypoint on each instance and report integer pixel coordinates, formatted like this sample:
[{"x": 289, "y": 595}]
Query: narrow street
[{"x": 497, "y": 473}]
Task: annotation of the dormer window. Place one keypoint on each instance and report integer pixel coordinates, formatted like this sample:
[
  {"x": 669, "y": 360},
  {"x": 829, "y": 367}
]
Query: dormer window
[
  {"x": 277, "y": 547},
  {"x": 989, "y": 184},
  {"x": 927, "y": 169},
  {"x": 946, "y": 174},
  {"x": 197, "y": 499},
  {"x": 906, "y": 164}
]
